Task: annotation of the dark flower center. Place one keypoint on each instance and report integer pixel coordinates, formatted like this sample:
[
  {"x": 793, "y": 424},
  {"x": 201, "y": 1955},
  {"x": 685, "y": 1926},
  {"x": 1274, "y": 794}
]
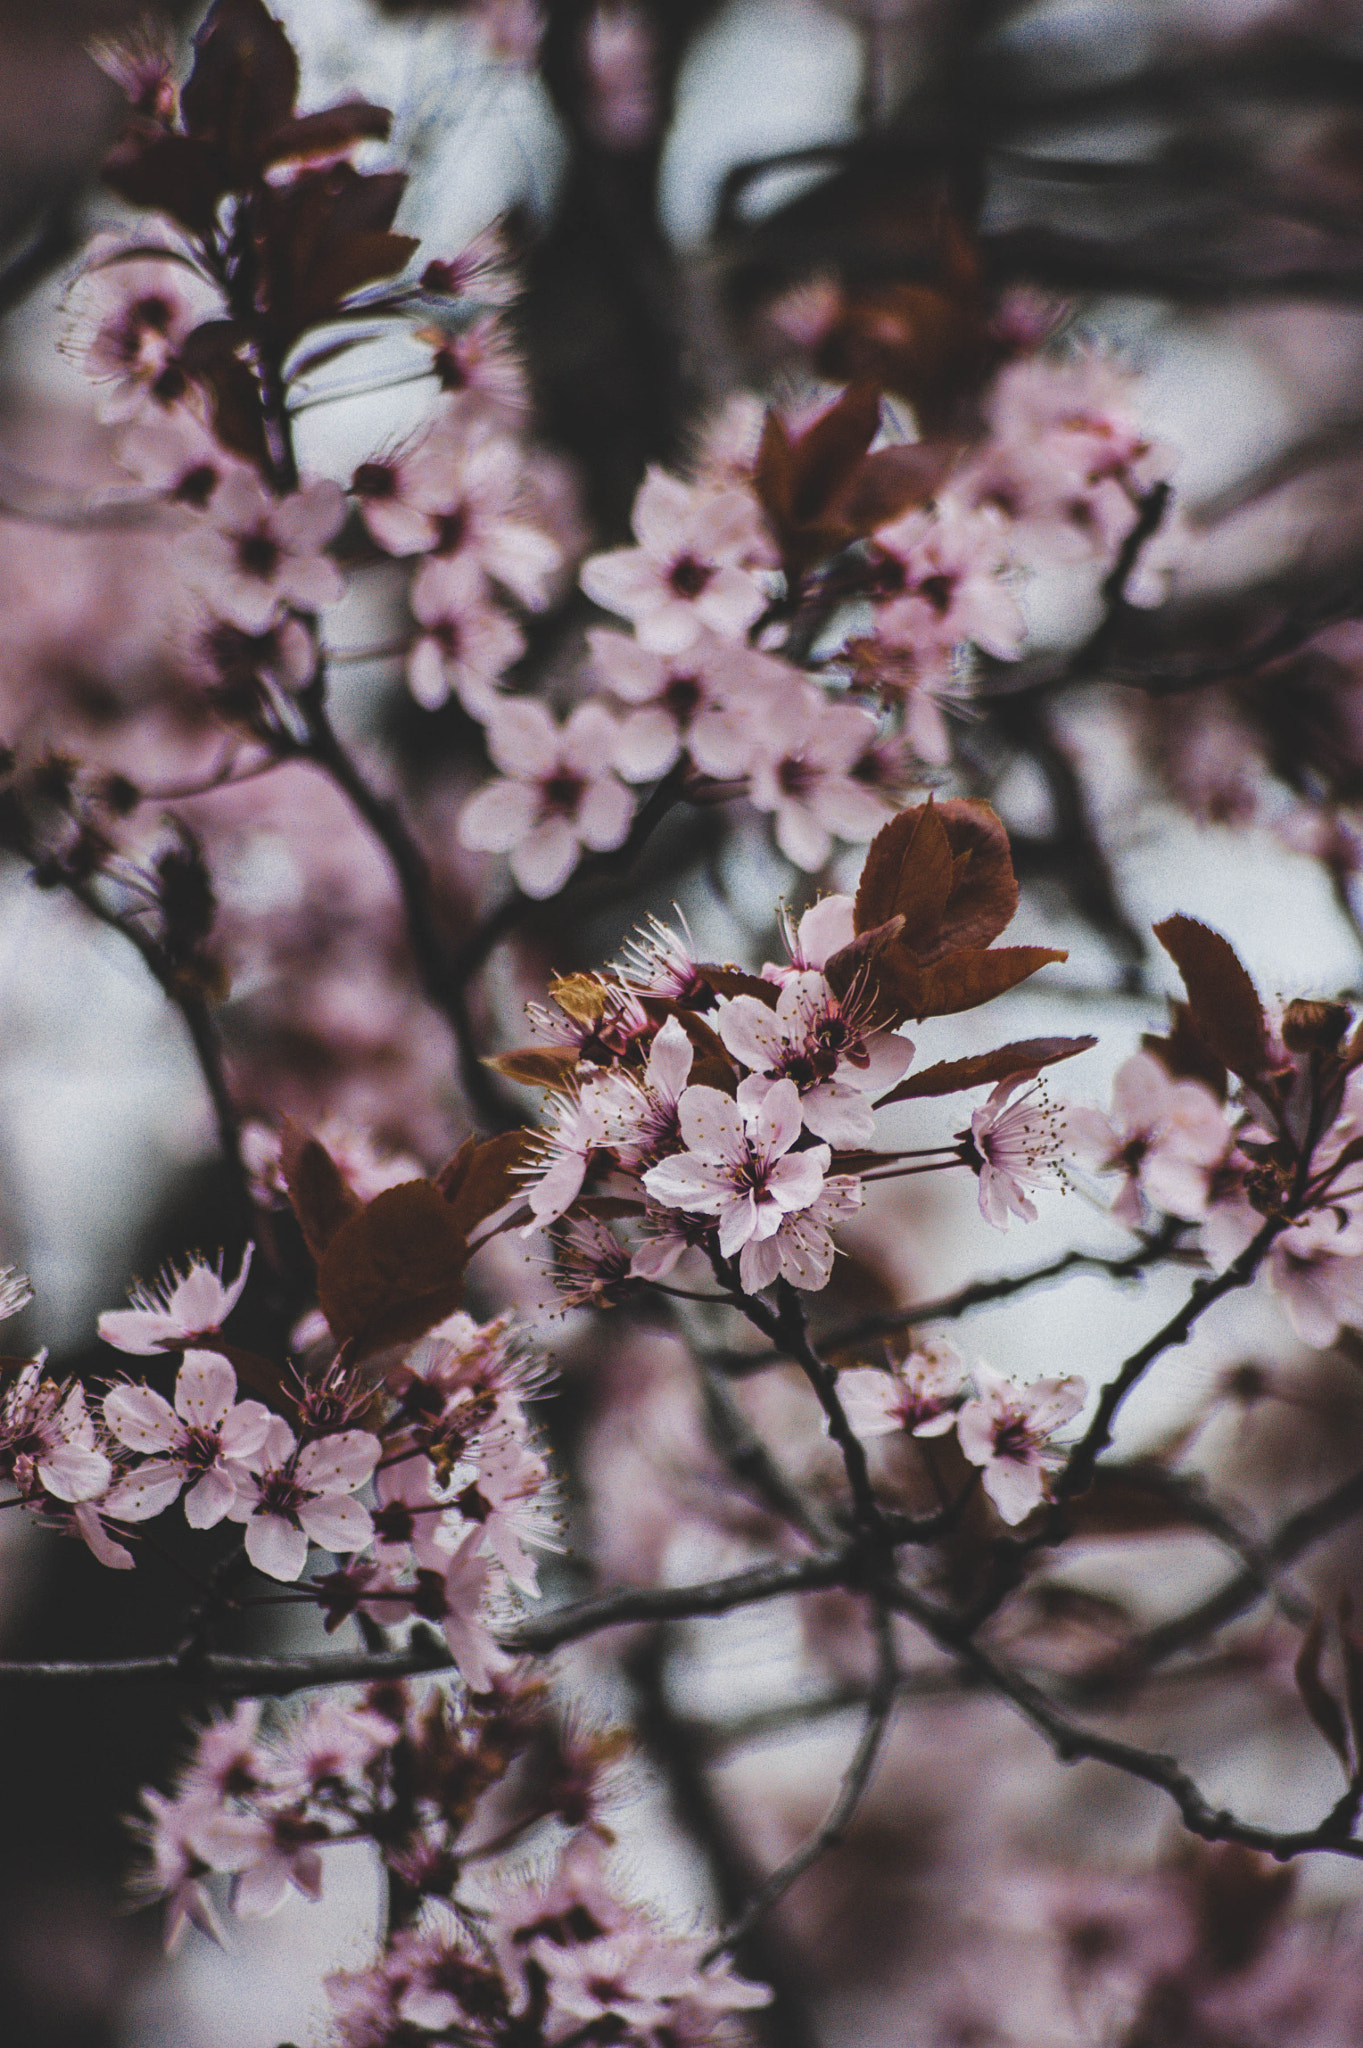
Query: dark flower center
[
  {"x": 562, "y": 793},
  {"x": 258, "y": 554},
  {"x": 689, "y": 577},
  {"x": 375, "y": 480},
  {"x": 682, "y": 697},
  {"x": 938, "y": 590}
]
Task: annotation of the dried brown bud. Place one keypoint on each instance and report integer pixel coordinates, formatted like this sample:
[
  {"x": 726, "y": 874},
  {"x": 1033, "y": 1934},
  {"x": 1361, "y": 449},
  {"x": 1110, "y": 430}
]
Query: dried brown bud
[{"x": 1314, "y": 1027}]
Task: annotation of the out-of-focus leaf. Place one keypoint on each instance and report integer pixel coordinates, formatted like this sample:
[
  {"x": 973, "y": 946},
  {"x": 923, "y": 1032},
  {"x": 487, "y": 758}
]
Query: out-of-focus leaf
[
  {"x": 949, "y": 1077},
  {"x": 329, "y": 129},
  {"x": 484, "y": 1177},
  {"x": 1185, "y": 1054},
  {"x": 1224, "y": 1002},
  {"x": 536, "y": 1066},
  {"x": 395, "y": 1270},
  {"x": 319, "y": 1194},
  {"x": 321, "y": 236},
  {"x": 243, "y": 84}
]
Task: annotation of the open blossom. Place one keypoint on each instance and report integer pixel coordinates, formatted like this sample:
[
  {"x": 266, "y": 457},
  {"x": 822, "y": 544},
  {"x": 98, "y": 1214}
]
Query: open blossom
[
  {"x": 260, "y": 552},
  {"x": 179, "y": 1310},
  {"x": 692, "y": 567},
  {"x": 739, "y": 1167},
  {"x": 1015, "y": 1146},
  {"x": 289, "y": 1496},
  {"x": 653, "y": 1114},
  {"x": 804, "y": 773},
  {"x": 1166, "y": 1137},
  {"x": 801, "y": 1248},
  {"x": 131, "y": 317},
  {"x": 941, "y": 575},
  {"x": 705, "y": 701},
  {"x": 466, "y": 644},
  {"x": 468, "y": 481},
  {"x": 1006, "y": 1431},
  {"x": 469, "y": 1577},
  {"x": 204, "y": 1438},
  {"x": 597, "y": 1118},
  {"x": 920, "y": 1394},
  {"x": 558, "y": 793},
  {"x": 48, "y": 1439},
  {"x": 815, "y": 1040},
  {"x": 638, "y": 1983}
]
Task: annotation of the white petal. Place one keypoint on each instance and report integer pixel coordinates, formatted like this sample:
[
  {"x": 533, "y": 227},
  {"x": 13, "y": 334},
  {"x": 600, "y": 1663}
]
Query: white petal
[
  {"x": 275, "y": 1547},
  {"x": 205, "y": 1389}
]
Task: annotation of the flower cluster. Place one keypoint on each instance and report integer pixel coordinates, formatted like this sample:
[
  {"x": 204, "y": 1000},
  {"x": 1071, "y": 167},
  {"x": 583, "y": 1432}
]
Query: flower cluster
[
  {"x": 1003, "y": 1428},
  {"x": 448, "y": 1792}
]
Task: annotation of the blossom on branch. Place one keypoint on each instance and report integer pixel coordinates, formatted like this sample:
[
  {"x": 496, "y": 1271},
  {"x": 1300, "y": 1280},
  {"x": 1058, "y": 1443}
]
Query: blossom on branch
[{"x": 559, "y": 792}]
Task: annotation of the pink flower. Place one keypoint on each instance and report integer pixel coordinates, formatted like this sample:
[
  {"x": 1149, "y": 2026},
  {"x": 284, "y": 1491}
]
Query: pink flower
[
  {"x": 597, "y": 1118},
  {"x": 291, "y": 1495},
  {"x": 509, "y": 1502},
  {"x": 920, "y": 1395},
  {"x": 259, "y": 553},
  {"x": 638, "y": 1982},
  {"x": 1167, "y": 1137},
  {"x": 942, "y": 577},
  {"x": 468, "y": 1578},
  {"x": 179, "y": 1310},
  {"x": 705, "y": 701},
  {"x": 1013, "y": 1148},
  {"x": 652, "y": 1114},
  {"x": 691, "y": 569},
  {"x": 48, "y": 1440},
  {"x": 803, "y": 772},
  {"x": 739, "y": 1166},
  {"x": 132, "y": 317},
  {"x": 801, "y": 1249},
  {"x": 824, "y": 930},
  {"x": 1006, "y": 1430},
  {"x": 208, "y": 1434},
  {"x": 558, "y": 794},
  {"x": 467, "y": 646},
  {"x": 819, "y": 1043},
  {"x": 468, "y": 480}
]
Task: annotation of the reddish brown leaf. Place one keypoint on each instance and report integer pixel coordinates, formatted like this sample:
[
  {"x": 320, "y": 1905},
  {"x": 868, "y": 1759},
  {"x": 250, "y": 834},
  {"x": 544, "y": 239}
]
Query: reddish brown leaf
[
  {"x": 1320, "y": 1703},
  {"x": 327, "y": 130},
  {"x": 1185, "y": 1054},
  {"x": 907, "y": 874},
  {"x": 732, "y": 981},
  {"x": 395, "y": 1270},
  {"x": 536, "y": 1066},
  {"x": 319, "y": 1194},
  {"x": 172, "y": 174},
  {"x": 1224, "y": 1001},
  {"x": 962, "y": 980},
  {"x": 893, "y": 481},
  {"x": 487, "y": 1179},
  {"x": 243, "y": 84},
  {"x": 949, "y": 1077}
]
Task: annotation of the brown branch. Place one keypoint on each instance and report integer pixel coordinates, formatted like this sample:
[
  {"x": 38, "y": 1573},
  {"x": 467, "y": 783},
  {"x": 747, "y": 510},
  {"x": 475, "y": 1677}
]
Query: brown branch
[
  {"x": 979, "y": 1293},
  {"x": 856, "y": 1778},
  {"x": 230, "y": 1676}
]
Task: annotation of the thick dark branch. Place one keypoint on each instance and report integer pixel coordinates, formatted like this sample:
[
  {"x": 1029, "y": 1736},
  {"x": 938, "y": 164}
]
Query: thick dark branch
[{"x": 228, "y": 1676}]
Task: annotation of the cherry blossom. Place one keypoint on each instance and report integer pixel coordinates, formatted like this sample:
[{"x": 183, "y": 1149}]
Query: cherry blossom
[
  {"x": 48, "y": 1439},
  {"x": 179, "y": 1310},
  {"x": 1006, "y": 1430},
  {"x": 1168, "y": 1138},
  {"x": 208, "y": 1434},
  {"x": 813, "y": 1039},
  {"x": 705, "y": 700},
  {"x": 257, "y": 553},
  {"x": 290, "y": 1496},
  {"x": 693, "y": 567},
  {"x": 558, "y": 793},
  {"x": 919, "y": 1394},
  {"x": 466, "y": 645},
  {"x": 467, "y": 480},
  {"x": 1014, "y": 1146},
  {"x": 131, "y": 316},
  {"x": 598, "y": 1117},
  {"x": 739, "y": 1167},
  {"x": 804, "y": 772},
  {"x": 801, "y": 1249},
  {"x": 942, "y": 576},
  {"x": 468, "y": 1579}
]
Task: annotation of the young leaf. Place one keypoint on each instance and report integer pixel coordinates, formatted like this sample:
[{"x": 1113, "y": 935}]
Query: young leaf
[
  {"x": 395, "y": 1270},
  {"x": 907, "y": 874},
  {"x": 319, "y": 1194},
  {"x": 486, "y": 1179},
  {"x": 1224, "y": 1001},
  {"x": 949, "y": 1077},
  {"x": 536, "y": 1066}
]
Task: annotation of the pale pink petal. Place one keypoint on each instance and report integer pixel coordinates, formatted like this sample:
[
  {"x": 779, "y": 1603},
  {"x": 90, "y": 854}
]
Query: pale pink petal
[
  {"x": 339, "y": 1463},
  {"x": 648, "y": 745},
  {"x": 205, "y": 1389},
  {"x": 522, "y": 739},
  {"x": 337, "y": 1522},
  {"x": 275, "y": 1547},
  {"x": 712, "y": 1125},
  {"x": 544, "y": 858},
  {"x": 779, "y": 1119},
  {"x": 669, "y": 1061},
  {"x": 825, "y": 929},
  {"x": 148, "y": 1491},
  {"x": 141, "y": 1418},
  {"x": 102, "y": 1546},
  {"x": 497, "y": 818},
  {"x": 604, "y": 815},
  {"x": 213, "y": 1497}
]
